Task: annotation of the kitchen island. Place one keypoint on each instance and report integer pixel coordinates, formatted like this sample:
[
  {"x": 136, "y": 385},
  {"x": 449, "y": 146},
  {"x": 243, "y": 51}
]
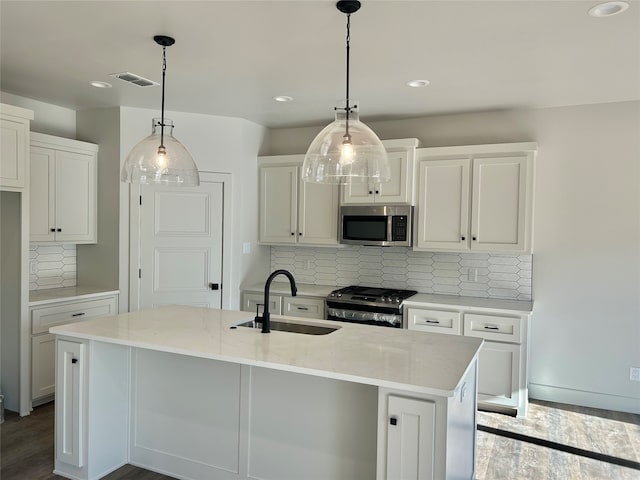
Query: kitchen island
[{"x": 178, "y": 390}]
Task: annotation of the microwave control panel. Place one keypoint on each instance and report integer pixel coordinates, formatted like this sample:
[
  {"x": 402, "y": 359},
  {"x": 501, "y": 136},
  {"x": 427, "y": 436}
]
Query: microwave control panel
[{"x": 399, "y": 228}]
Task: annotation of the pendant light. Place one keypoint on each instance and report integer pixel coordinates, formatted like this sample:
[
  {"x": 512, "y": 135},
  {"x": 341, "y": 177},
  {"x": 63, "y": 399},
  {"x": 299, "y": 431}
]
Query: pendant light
[
  {"x": 160, "y": 158},
  {"x": 346, "y": 151}
]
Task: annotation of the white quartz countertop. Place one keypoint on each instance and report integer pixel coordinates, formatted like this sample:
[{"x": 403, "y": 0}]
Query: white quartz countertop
[
  {"x": 50, "y": 295},
  {"x": 395, "y": 358},
  {"x": 284, "y": 288},
  {"x": 420, "y": 299}
]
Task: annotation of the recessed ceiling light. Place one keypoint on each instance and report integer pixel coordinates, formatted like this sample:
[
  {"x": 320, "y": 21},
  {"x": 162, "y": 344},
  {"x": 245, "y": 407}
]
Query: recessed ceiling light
[
  {"x": 608, "y": 9},
  {"x": 283, "y": 98},
  {"x": 99, "y": 84},
  {"x": 418, "y": 83}
]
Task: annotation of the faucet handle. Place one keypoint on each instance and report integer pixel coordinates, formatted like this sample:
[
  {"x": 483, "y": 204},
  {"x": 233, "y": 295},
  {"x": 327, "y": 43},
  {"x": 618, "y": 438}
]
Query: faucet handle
[{"x": 258, "y": 317}]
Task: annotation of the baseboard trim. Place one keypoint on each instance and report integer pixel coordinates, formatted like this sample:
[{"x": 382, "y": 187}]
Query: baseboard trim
[{"x": 584, "y": 399}]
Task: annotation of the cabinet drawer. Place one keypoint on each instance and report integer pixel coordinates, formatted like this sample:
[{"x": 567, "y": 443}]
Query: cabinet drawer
[
  {"x": 434, "y": 321},
  {"x": 303, "y": 307},
  {"x": 493, "y": 327},
  {"x": 251, "y": 300},
  {"x": 42, "y": 318}
]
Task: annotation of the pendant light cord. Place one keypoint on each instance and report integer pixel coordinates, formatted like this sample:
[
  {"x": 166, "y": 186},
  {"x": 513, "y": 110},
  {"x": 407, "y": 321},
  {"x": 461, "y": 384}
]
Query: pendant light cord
[
  {"x": 347, "y": 137},
  {"x": 164, "y": 70}
]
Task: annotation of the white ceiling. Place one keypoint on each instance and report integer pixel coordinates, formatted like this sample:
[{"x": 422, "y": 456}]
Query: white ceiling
[{"x": 232, "y": 57}]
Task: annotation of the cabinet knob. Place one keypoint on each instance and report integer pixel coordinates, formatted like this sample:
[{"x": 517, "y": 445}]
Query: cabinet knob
[
  {"x": 463, "y": 238},
  {"x": 58, "y": 229},
  {"x": 52, "y": 229},
  {"x": 377, "y": 192},
  {"x": 292, "y": 234},
  {"x": 300, "y": 234},
  {"x": 473, "y": 238},
  {"x": 74, "y": 360},
  {"x": 370, "y": 192}
]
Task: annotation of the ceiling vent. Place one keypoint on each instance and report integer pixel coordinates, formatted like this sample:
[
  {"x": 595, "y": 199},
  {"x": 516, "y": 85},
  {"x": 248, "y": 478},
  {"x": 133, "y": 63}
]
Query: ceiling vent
[{"x": 135, "y": 79}]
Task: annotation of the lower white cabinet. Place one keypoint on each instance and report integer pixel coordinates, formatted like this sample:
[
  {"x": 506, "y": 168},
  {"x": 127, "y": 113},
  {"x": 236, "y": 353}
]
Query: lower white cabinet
[
  {"x": 49, "y": 315},
  {"x": 410, "y": 438},
  {"x": 502, "y": 366},
  {"x": 70, "y": 366},
  {"x": 298, "y": 306}
]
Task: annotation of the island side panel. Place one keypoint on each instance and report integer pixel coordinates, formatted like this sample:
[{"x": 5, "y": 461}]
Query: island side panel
[
  {"x": 185, "y": 415},
  {"x": 101, "y": 419},
  {"x": 308, "y": 427}
]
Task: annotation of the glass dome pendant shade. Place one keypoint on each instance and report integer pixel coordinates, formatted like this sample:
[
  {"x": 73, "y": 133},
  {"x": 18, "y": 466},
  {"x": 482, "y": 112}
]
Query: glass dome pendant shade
[
  {"x": 160, "y": 159},
  {"x": 346, "y": 151}
]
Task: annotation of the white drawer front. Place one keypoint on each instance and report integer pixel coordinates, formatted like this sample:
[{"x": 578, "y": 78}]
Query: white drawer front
[
  {"x": 250, "y": 301},
  {"x": 493, "y": 327},
  {"x": 42, "y": 318},
  {"x": 435, "y": 321},
  {"x": 303, "y": 307}
]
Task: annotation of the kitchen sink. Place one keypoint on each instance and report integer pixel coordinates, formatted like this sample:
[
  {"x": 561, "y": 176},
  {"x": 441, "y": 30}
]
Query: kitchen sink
[{"x": 292, "y": 327}]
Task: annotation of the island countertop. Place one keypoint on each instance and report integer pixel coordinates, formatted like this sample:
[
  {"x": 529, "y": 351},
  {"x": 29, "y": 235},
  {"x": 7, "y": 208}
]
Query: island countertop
[{"x": 387, "y": 357}]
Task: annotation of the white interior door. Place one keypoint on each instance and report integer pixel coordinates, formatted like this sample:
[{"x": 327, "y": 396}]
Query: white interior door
[{"x": 180, "y": 249}]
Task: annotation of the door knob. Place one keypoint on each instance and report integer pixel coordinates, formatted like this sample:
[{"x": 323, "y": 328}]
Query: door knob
[{"x": 214, "y": 286}]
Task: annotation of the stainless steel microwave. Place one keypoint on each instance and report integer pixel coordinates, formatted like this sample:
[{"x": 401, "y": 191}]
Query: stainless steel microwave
[{"x": 376, "y": 225}]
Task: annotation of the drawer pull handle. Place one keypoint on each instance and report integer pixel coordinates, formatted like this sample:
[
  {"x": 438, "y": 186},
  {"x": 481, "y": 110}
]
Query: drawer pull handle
[
  {"x": 303, "y": 308},
  {"x": 491, "y": 327},
  {"x": 430, "y": 320},
  {"x": 78, "y": 314}
]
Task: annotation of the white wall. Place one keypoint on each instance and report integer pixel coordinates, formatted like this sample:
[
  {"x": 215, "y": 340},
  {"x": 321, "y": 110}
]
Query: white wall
[
  {"x": 585, "y": 331},
  {"x": 48, "y": 118},
  {"x": 218, "y": 144}
]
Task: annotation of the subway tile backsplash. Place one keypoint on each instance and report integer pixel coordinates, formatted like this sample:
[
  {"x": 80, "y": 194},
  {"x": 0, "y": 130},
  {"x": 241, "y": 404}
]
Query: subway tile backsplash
[
  {"x": 52, "y": 266},
  {"x": 466, "y": 274}
]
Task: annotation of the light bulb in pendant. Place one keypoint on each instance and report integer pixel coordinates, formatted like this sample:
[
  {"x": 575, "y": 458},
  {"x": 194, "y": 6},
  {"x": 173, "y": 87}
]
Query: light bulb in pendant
[
  {"x": 346, "y": 153},
  {"x": 161, "y": 159}
]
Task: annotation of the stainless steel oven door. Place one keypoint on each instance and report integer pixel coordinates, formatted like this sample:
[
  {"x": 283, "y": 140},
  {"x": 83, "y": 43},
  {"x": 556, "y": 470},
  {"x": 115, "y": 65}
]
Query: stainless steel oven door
[{"x": 365, "y": 317}]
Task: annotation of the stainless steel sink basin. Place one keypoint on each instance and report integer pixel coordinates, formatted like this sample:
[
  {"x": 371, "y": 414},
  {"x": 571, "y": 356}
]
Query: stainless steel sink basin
[{"x": 293, "y": 327}]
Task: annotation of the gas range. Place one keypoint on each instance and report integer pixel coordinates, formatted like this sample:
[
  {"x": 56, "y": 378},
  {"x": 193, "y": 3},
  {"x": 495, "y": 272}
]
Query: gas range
[{"x": 372, "y": 296}]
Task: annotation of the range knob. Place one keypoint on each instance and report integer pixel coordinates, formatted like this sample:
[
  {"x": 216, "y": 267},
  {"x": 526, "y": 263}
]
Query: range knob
[
  {"x": 339, "y": 294},
  {"x": 396, "y": 299}
]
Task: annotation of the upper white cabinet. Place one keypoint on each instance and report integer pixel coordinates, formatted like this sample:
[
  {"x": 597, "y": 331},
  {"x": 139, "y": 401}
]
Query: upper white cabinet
[
  {"x": 293, "y": 211},
  {"x": 400, "y": 189},
  {"x": 63, "y": 190},
  {"x": 476, "y": 198},
  {"x": 14, "y": 146}
]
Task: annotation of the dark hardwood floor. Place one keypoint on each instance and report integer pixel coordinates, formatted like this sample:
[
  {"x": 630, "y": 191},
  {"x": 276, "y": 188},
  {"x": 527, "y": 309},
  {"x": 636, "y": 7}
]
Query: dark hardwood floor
[
  {"x": 26, "y": 450},
  {"x": 26, "y": 446}
]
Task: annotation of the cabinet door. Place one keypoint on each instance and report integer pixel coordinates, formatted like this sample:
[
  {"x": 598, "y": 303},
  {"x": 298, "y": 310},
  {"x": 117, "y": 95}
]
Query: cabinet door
[
  {"x": 357, "y": 192},
  {"x": 410, "y": 439},
  {"x": 42, "y": 365},
  {"x": 13, "y": 154},
  {"x": 400, "y": 188},
  {"x": 498, "y": 217},
  {"x": 69, "y": 424},
  {"x": 42, "y": 195},
  {"x": 251, "y": 300},
  {"x": 498, "y": 373},
  {"x": 303, "y": 307},
  {"x": 278, "y": 204},
  {"x": 75, "y": 191},
  {"x": 443, "y": 205},
  {"x": 318, "y": 214}
]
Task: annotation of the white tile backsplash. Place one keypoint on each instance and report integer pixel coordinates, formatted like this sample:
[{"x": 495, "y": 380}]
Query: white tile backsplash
[
  {"x": 466, "y": 274},
  {"x": 52, "y": 266}
]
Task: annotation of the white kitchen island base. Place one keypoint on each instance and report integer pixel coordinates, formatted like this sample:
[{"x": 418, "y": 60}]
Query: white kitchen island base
[{"x": 196, "y": 414}]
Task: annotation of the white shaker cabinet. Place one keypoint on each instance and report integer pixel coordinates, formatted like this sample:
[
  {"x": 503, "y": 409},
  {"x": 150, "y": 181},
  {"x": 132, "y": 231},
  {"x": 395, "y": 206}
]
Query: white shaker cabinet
[
  {"x": 49, "y": 315},
  {"x": 476, "y": 198},
  {"x": 400, "y": 189},
  {"x": 502, "y": 364},
  {"x": 293, "y": 211},
  {"x": 14, "y": 146},
  {"x": 63, "y": 190}
]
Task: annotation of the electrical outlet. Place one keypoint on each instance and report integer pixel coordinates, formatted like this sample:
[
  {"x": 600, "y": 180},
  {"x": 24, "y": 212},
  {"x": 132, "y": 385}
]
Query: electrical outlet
[
  {"x": 246, "y": 248},
  {"x": 472, "y": 274},
  {"x": 634, "y": 374}
]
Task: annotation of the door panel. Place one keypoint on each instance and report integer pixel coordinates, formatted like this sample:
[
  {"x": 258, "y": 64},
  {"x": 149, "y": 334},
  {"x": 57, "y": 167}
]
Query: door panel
[{"x": 181, "y": 245}]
